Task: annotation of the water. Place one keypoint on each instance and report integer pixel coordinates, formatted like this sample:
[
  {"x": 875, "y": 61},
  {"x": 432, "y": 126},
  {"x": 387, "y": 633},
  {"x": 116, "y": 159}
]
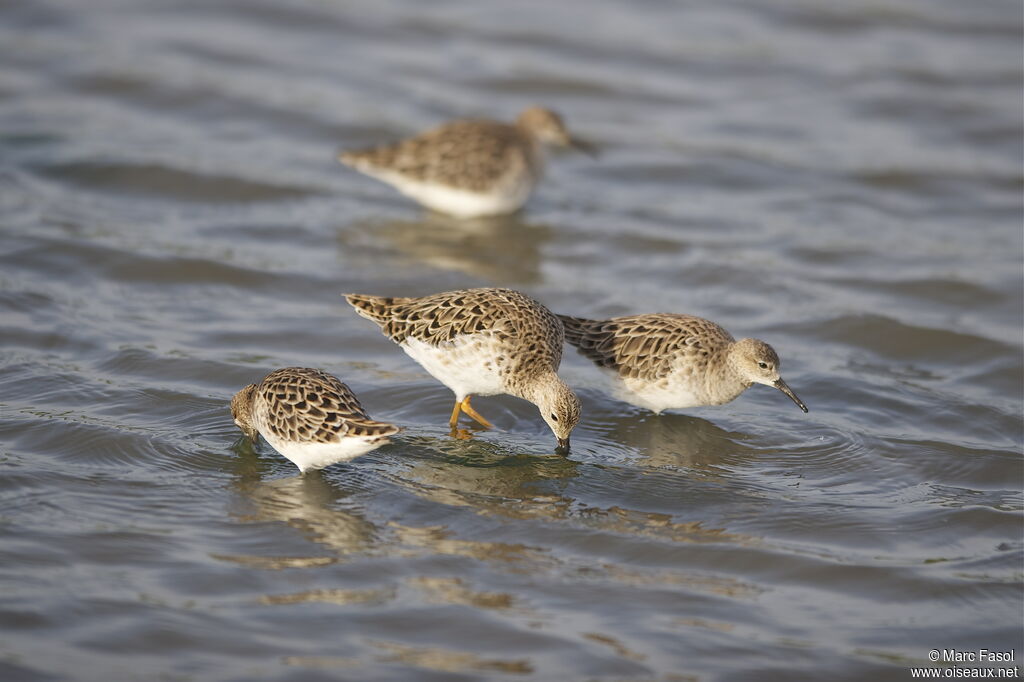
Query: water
[{"x": 841, "y": 180}]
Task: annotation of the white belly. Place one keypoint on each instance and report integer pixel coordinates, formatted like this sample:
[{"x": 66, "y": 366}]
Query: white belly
[
  {"x": 467, "y": 365},
  {"x": 506, "y": 197},
  {"x": 309, "y": 456},
  {"x": 658, "y": 396}
]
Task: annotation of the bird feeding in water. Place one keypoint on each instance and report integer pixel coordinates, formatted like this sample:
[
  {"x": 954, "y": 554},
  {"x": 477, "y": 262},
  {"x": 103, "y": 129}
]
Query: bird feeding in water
[
  {"x": 482, "y": 342},
  {"x": 662, "y": 361},
  {"x": 309, "y": 416}
]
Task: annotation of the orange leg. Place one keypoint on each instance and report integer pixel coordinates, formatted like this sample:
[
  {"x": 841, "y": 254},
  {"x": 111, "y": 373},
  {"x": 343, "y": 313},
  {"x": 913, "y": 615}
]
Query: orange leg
[
  {"x": 455, "y": 415},
  {"x": 468, "y": 409}
]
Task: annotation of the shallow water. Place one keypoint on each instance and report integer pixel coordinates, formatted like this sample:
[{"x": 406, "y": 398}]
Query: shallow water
[{"x": 843, "y": 181}]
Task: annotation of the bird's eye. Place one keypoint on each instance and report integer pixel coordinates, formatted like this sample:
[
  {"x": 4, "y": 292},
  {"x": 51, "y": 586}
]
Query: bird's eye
[
  {"x": 763, "y": 365},
  {"x": 554, "y": 417}
]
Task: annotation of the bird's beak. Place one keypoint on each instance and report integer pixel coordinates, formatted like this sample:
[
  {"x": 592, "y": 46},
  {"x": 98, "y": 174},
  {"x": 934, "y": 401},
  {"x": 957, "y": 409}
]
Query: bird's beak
[
  {"x": 781, "y": 385},
  {"x": 563, "y": 447},
  {"x": 587, "y": 148}
]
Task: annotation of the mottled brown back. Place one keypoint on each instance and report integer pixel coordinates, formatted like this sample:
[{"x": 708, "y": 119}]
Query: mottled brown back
[
  {"x": 469, "y": 154},
  {"x": 531, "y": 333},
  {"x": 645, "y": 346},
  {"x": 304, "y": 404}
]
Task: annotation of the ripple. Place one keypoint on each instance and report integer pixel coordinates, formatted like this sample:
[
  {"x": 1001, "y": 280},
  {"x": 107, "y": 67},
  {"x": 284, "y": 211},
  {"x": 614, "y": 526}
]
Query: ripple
[
  {"x": 866, "y": 18},
  {"x": 275, "y": 563},
  {"x": 97, "y": 444},
  {"x": 169, "y": 183},
  {"x": 892, "y": 338},
  {"x": 14, "y": 670},
  {"x": 447, "y": 660},
  {"x": 844, "y": 179},
  {"x": 953, "y": 293},
  {"x": 339, "y": 597},
  {"x": 498, "y": 249},
  {"x": 453, "y": 590},
  {"x": 973, "y": 468},
  {"x": 172, "y": 270}
]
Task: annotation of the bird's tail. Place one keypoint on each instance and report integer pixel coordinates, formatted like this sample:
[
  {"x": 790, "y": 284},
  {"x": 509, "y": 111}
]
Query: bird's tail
[
  {"x": 369, "y": 159},
  {"x": 376, "y": 308},
  {"x": 368, "y": 428},
  {"x": 575, "y": 327},
  {"x": 353, "y": 157}
]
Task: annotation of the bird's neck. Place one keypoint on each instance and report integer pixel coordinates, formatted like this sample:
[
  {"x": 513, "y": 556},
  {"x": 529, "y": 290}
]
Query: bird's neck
[
  {"x": 542, "y": 383},
  {"x": 723, "y": 380}
]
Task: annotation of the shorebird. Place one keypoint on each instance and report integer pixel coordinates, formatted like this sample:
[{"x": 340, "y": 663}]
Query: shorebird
[
  {"x": 662, "y": 361},
  {"x": 308, "y": 416},
  {"x": 482, "y": 342},
  {"x": 469, "y": 168}
]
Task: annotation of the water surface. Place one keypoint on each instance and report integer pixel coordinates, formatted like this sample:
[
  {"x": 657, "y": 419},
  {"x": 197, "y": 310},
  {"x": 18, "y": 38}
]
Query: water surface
[{"x": 843, "y": 181}]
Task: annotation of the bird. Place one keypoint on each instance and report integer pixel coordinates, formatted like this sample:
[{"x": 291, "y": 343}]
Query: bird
[
  {"x": 661, "y": 361},
  {"x": 485, "y": 341},
  {"x": 469, "y": 168},
  {"x": 309, "y": 416}
]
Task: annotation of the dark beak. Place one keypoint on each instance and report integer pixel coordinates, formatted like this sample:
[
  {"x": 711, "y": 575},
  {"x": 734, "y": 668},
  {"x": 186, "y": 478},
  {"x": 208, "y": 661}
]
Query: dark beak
[
  {"x": 781, "y": 385},
  {"x": 563, "y": 447},
  {"x": 587, "y": 148}
]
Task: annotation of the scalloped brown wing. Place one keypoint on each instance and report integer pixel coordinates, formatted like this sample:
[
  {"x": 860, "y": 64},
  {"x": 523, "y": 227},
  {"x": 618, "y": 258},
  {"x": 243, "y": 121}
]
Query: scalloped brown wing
[
  {"x": 526, "y": 327},
  {"x": 469, "y": 154},
  {"x": 644, "y": 346},
  {"x": 307, "y": 405}
]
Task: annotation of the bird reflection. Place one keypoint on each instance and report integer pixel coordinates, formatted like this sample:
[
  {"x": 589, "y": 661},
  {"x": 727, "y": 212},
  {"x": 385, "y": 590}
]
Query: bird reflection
[
  {"x": 312, "y": 505},
  {"x": 486, "y": 475},
  {"x": 675, "y": 440},
  {"x": 496, "y": 481},
  {"x": 500, "y": 248},
  {"x": 452, "y": 481},
  {"x": 488, "y": 478}
]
